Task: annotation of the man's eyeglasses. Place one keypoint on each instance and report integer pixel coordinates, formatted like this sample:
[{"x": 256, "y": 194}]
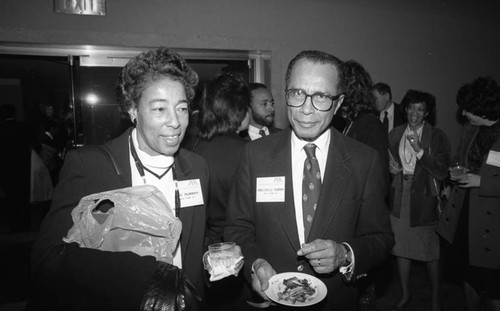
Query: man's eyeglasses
[{"x": 320, "y": 101}]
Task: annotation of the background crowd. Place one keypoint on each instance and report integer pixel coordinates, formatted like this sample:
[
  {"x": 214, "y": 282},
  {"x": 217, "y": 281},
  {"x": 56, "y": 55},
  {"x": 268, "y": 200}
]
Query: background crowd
[{"x": 383, "y": 170}]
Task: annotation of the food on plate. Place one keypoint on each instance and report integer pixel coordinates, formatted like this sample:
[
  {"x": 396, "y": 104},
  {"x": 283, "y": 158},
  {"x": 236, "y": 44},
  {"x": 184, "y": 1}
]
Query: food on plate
[{"x": 296, "y": 290}]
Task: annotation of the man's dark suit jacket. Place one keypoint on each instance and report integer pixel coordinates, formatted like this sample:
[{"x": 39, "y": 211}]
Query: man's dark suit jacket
[
  {"x": 69, "y": 277},
  {"x": 245, "y": 136},
  {"x": 351, "y": 209}
]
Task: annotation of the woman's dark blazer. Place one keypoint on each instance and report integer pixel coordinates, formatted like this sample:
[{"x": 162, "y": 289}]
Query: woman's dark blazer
[
  {"x": 222, "y": 154},
  {"x": 433, "y": 164},
  {"x": 366, "y": 128},
  {"x": 484, "y": 206}
]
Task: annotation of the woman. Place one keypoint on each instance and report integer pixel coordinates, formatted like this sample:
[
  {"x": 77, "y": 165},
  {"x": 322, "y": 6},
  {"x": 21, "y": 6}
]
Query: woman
[
  {"x": 361, "y": 122},
  {"x": 224, "y": 112},
  {"x": 419, "y": 158},
  {"x": 155, "y": 88},
  {"x": 475, "y": 200},
  {"x": 358, "y": 110}
]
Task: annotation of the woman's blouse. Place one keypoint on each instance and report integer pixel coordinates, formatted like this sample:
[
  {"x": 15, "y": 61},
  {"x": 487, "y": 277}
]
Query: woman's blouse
[{"x": 406, "y": 152}]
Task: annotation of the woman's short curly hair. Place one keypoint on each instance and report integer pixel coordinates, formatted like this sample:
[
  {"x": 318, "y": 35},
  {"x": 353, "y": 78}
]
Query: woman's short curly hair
[
  {"x": 225, "y": 104},
  {"x": 151, "y": 66},
  {"x": 481, "y": 98}
]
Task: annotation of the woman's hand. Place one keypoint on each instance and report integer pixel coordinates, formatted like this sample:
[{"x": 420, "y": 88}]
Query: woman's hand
[
  {"x": 239, "y": 264},
  {"x": 469, "y": 180},
  {"x": 394, "y": 167},
  {"x": 414, "y": 141}
]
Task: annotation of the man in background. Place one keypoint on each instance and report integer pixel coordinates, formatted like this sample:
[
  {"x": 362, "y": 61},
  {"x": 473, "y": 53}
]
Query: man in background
[
  {"x": 52, "y": 148},
  {"x": 262, "y": 113},
  {"x": 391, "y": 115}
]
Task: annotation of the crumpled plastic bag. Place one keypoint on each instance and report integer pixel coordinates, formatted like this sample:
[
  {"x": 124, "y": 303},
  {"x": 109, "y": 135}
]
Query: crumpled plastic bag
[
  {"x": 218, "y": 272},
  {"x": 220, "y": 269},
  {"x": 136, "y": 219}
]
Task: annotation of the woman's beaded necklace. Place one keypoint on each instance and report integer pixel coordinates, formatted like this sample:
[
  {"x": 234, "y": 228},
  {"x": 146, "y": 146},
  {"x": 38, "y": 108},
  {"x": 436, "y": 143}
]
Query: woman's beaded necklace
[{"x": 410, "y": 151}]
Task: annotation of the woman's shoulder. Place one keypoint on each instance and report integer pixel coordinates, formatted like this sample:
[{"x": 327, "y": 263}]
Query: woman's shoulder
[
  {"x": 221, "y": 143},
  {"x": 368, "y": 118},
  {"x": 86, "y": 153},
  {"x": 397, "y": 131},
  {"x": 436, "y": 131},
  {"x": 184, "y": 154},
  {"x": 369, "y": 122},
  {"x": 191, "y": 164}
]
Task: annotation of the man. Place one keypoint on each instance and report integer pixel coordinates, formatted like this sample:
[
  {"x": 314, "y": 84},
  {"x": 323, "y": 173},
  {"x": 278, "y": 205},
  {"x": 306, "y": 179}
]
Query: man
[
  {"x": 346, "y": 231},
  {"x": 262, "y": 113},
  {"x": 388, "y": 109},
  {"x": 52, "y": 149}
]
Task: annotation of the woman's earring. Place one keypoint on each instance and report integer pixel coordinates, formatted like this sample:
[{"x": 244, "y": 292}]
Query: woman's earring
[{"x": 135, "y": 121}]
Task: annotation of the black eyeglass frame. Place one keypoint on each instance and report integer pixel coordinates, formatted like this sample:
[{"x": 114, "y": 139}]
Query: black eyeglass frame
[{"x": 332, "y": 98}]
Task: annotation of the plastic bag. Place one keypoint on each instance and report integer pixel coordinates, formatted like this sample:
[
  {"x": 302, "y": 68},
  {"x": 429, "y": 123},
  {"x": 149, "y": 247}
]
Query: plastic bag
[{"x": 136, "y": 219}]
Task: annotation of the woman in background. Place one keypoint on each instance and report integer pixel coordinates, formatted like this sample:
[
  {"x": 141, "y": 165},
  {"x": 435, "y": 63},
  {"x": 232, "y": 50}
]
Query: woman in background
[
  {"x": 361, "y": 122},
  {"x": 420, "y": 155},
  {"x": 224, "y": 112},
  {"x": 475, "y": 200},
  {"x": 358, "y": 110}
]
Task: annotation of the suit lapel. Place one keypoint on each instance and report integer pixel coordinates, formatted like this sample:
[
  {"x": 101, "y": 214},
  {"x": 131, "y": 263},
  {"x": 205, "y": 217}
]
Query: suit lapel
[
  {"x": 280, "y": 164},
  {"x": 120, "y": 151},
  {"x": 425, "y": 142},
  {"x": 335, "y": 181},
  {"x": 182, "y": 170}
]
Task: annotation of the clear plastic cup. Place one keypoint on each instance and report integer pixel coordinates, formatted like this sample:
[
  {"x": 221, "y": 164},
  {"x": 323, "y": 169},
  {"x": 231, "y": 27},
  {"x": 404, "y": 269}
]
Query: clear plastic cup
[
  {"x": 458, "y": 170},
  {"x": 222, "y": 254}
]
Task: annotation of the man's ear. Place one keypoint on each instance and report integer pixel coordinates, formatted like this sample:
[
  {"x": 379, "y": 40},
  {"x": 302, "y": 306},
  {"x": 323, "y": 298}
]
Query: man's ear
[{"x": 339, "y": 103}]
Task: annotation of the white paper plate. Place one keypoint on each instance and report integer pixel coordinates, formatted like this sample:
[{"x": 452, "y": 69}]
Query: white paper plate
[{"x": 276, "y": 286}]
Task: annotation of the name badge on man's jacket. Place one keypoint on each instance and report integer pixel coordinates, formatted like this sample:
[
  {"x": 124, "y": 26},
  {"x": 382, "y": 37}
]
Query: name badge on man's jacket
[{"x": 270, "y": 189}]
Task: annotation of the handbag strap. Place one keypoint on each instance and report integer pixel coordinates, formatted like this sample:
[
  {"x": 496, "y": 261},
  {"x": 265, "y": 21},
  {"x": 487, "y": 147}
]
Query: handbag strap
[{"x": 438, "y": 192}]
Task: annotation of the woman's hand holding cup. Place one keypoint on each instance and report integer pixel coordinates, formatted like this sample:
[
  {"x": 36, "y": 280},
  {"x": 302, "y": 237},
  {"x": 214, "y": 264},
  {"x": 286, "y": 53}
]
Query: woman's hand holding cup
[
  {"x": 223, "y": 259},
  {"x": 458, "y": 171}
]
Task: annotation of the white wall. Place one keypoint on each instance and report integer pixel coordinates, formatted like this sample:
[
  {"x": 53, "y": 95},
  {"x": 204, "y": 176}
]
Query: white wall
[{"x": 430, "y": 45}]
